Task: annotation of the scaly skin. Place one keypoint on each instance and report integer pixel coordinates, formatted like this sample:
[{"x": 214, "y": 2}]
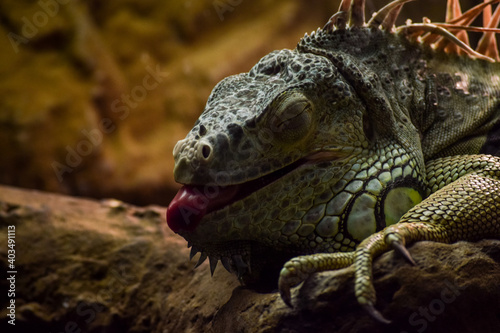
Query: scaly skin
[
  {"x": 359, "y": 141},
  {"x": 467, "y": 208}
]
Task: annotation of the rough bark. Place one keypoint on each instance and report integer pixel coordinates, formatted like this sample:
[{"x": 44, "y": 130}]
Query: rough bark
[{"x": 105, "y": 266}]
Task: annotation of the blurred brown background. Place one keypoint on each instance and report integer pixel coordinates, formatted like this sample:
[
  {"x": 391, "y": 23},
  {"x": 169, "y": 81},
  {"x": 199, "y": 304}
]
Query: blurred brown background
[{"x": 94, "y": 95}]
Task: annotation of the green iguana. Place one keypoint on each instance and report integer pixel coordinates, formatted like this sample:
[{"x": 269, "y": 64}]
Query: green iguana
[{"x": 365, "y": 138}]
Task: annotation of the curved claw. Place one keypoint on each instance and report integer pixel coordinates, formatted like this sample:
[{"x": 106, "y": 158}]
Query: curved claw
[
  {"x": 288, "y": 278},
  {"x": 285, "y": 295},
  {"x": 394, "y": 240},
  {"x": 202, "y": 259},
  {"x": 399, "y": 247},
  {"x": 375, "y": 313}
]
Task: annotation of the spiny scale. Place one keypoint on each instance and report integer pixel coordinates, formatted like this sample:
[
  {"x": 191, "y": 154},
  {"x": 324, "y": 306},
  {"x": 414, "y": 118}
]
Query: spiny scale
[
  {"x": 357, "y": 18},
  {"x": 450, "y": 37},
  {"x": 202, "y": 259},
  {"x": 193, "y": 252},
  {"x": 236, "y": 261},
  {"x": 453, "y": 11},
  {"x": 488, "y": 42},
  {"x": 213, "y": 264},
  {"x": 386, "y": 17}
]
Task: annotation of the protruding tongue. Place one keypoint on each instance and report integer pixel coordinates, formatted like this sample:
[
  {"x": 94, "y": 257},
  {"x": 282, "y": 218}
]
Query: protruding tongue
[{"x": 192, "y": 203}]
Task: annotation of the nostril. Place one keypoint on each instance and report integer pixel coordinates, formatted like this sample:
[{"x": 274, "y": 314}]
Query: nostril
[{"x": 206, "y": 150}]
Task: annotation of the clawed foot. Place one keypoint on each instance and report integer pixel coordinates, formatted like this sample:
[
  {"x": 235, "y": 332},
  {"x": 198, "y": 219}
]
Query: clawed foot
[
  {"x": 463, "y": 209},
  {"x": 300, "y": 268}
]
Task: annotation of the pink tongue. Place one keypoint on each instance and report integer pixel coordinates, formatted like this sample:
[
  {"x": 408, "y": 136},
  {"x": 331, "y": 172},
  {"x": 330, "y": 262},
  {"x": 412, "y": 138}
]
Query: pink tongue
[{"x": 192, "y": 203}]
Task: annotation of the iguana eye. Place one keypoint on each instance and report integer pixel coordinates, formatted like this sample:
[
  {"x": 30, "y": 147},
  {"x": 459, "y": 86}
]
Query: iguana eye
[{"x": 292, "y": 118}]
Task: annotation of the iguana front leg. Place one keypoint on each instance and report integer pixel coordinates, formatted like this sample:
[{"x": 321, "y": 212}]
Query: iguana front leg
[{"x": 465, "y": 205}]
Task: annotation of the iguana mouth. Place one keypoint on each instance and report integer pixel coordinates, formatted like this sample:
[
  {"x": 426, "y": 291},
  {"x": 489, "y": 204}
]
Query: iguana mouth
[{"x": 193, "y": 202}]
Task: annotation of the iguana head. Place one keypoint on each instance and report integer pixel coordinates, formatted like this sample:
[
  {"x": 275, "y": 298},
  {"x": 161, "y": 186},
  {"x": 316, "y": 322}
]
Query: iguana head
[
  {"x": 285, "y": 159},
  {"x": 312, "y": 150}
]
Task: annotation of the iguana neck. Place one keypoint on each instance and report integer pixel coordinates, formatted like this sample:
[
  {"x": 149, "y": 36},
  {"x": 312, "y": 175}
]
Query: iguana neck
[
  {"x": 461, "y": 109},
  {"x": 453, "y": 113}
]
